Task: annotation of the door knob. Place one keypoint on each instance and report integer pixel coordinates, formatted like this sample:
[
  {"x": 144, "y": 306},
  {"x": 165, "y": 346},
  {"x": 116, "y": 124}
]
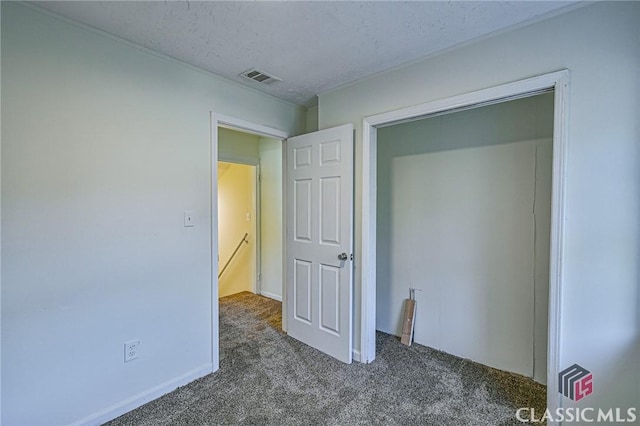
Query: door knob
[{"x": 343, "y": 256}]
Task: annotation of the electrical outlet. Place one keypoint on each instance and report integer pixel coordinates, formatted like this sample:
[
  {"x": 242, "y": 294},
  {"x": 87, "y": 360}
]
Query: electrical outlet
[{"x": 131, "y": 349}]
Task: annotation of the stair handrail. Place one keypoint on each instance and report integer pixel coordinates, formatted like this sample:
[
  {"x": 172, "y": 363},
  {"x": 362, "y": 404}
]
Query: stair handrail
[{"x": 243, "y": 240}]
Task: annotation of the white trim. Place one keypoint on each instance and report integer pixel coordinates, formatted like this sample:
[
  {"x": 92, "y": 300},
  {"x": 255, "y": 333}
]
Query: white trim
[
  {"x": 355, "y": 355},
  {"x": 257, "y": 228},
  {"x": 142, "y": 398},
  {"x": 271, "y": 296},
  {"x": 248, "y": 127},
  {"x": 283, "y": 226},
  {"x": 219, "y": 120},
  {"x": 215, "y": 308},
  {"x": 0, "y": 222},
  {"x": 556, "y": 81},
  {"x": 369, "y": 223},
  {"x": 556, "y": 254}
]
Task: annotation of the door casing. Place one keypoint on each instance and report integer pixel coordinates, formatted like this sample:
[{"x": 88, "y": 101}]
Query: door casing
[{"x": 558, "y": 82}]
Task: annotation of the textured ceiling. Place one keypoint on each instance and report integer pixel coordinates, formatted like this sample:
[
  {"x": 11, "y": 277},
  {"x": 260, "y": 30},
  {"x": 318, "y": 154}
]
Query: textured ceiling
[{"x": 313, "y": 46}]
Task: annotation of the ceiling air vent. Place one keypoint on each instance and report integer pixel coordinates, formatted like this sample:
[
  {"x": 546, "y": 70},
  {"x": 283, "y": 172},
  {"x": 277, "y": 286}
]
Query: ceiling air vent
[{"x": 260, "y": 76}]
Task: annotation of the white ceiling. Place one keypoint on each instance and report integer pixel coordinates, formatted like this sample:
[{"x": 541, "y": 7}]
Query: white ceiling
[{"x": 313, "y": 46}]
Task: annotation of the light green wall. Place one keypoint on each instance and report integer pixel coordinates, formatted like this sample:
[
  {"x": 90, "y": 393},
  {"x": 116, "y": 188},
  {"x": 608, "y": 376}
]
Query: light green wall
[
  {"x": 104, "y": 146},
  {"x": 271, "y": 219},
  {"x": 238, "y": 146},
  {"x": 598, "y": 44},
  {"x": 312, "y": 119}
]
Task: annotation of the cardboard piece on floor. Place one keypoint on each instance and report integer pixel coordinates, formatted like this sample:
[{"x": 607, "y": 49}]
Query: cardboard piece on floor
[{"x": 408, "y": 324}]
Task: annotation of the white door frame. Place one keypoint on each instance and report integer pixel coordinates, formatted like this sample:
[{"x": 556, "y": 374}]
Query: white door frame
[
  {"x": 217, "y": 121},
  {"x": 556, "y": 81}
]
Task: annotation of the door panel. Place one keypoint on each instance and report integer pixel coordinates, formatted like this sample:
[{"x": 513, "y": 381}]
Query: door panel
[
  {"x": 302, "y": 290},
  {"x": 330, "y": 208},
  {"x": 320, "y": 187},
  {"x": 302, "y": 210},
  {"x": 329, "y": 294}
]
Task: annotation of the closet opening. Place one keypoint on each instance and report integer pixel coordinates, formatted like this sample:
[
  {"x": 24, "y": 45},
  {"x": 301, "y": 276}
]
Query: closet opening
[
  {"x": 556, "y": 85},
  {"x": 464, "y": 217}
]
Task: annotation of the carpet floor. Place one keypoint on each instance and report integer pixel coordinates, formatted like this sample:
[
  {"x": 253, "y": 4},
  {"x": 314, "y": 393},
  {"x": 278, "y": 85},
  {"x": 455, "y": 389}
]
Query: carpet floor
[{"x": 268, "y": 378}]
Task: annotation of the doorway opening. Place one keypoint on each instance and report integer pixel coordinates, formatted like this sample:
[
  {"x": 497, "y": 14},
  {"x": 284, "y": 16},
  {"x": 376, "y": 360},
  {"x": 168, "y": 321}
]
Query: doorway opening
[
  {"x": 318, "y": 271},
  {"x": 250, "y": 233},
  {"x": 247, "y": 214},
  {"x": 555, "y": 82},
  {"x": 238, "y": 229}
]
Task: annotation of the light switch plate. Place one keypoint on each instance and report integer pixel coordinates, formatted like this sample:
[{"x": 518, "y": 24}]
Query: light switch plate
[{"x": 188, "y": 218}]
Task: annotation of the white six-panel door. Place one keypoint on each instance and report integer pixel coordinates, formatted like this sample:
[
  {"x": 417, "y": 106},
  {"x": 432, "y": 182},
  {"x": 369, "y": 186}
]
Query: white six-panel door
[{"x": 319, "y": 240}]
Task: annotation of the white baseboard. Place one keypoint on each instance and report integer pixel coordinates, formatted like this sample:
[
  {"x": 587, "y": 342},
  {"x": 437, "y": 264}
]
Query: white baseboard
[
  {"x": 271, "y": 296},
  {"x": 142, "y": 398},
  {"x": 356, "y": 355}
]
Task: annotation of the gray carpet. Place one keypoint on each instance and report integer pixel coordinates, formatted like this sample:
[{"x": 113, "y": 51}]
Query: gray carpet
[{"x": 268, "y": 378}]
